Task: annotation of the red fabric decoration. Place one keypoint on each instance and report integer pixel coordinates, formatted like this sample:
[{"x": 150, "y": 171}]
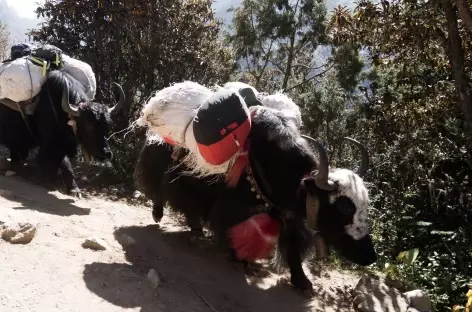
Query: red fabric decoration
[
  {"x": 169, "y": 140},
  {"x": 240, "y": 164},
  {"x": 221, "y": 127},
  {"x": 254, "y": 238},
  {"x": 221, "y": 151}
]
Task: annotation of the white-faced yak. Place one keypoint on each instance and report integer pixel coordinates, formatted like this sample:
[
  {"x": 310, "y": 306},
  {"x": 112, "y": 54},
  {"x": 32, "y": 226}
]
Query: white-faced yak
[
  {"x": 282, "y": 177},
  {"x": 64, "y": 117}
]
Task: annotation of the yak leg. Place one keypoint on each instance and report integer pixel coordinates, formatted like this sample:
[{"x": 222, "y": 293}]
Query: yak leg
[
  {"x": 247, "y": 267},
  {"x": 67, "y": 175},
  {"x": 18, "y": 155},
  {"x": 157, "y": 210},
  {"x": 52, "y": 161},
  {"x": 294, "y": 259}
]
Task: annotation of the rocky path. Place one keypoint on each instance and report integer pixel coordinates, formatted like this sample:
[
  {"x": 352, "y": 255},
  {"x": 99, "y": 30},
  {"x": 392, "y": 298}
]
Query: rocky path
[{"x": 54, "y": 272}]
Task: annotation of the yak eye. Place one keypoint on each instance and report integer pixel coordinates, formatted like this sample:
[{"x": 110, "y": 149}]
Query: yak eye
[{"x": 346, "y": 207}]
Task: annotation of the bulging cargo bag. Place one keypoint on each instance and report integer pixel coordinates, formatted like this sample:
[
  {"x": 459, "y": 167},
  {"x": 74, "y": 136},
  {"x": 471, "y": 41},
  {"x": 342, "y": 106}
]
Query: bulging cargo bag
[
  {"x": 221, "y": 126},
  {"x": 20, "y": 50},
  {"x": 47, "y": 56}
]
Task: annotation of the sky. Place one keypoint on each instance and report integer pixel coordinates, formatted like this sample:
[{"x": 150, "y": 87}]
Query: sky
[{"x": 24, "y": 8}]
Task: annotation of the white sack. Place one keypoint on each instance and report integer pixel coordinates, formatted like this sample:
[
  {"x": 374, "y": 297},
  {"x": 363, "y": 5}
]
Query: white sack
[
  {"x": 278, "y": 101},
  {"x": 236, "y": 85},
  {"x": 170, "y": 112},
  {"x": 82, "y": 72},
  {"x": 283, "y": 103},
  {"x": 15, "y": 81}
]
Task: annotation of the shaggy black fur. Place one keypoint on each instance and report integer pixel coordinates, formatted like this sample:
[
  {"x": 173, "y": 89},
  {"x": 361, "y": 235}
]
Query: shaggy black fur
[
  {"x": 285, "y": 160},
  {"x": 51, "y": 132}
]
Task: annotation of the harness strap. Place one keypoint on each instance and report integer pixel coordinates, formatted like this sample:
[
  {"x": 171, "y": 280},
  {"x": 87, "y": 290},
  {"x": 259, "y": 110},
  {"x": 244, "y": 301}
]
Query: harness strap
[
  {"x": 312, "y": 209},
  {"x": 25, "y": 119},
  {"x": 40, "y": 62}
]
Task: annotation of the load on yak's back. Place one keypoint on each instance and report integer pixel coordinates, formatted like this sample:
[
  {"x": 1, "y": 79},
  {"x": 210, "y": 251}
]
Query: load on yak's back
[
  {"x": 235, "y": 160},
  {"x": 24, "y": 73},
  {"x": 48, "y": 102}
]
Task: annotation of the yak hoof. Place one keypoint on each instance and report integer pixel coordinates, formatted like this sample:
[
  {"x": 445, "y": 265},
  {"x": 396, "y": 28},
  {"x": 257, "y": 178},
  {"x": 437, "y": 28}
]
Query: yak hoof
[
  {"x": 75, "y": 192},
  {"x": 249, "y": 270},
  {"x": 309, "y": 293},
  {"x": 156, "y": 217},
  {"x": 157, "y": 212},
  {"x": 305, "y": 287}
]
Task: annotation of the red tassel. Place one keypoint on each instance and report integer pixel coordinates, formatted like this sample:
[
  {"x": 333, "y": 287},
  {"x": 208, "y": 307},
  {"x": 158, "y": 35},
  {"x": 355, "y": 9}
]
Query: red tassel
[{"x": 254, "y": 238}]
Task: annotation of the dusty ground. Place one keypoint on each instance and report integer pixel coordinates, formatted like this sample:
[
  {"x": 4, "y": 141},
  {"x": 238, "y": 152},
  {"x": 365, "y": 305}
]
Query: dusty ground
[{"x": 55, "y": 273}]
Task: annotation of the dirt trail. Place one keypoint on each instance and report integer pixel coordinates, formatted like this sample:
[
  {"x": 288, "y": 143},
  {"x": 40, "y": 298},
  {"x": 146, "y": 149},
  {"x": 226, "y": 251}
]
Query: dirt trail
[{"x": 54, "y": 272}]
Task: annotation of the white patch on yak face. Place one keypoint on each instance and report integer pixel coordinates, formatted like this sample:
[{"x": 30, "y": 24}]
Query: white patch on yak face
[{"x": 351, "y": 185}]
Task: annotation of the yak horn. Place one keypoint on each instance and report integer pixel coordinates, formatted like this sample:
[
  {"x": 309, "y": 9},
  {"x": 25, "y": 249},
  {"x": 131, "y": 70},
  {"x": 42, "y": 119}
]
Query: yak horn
[
  {"x": 118, "y": 106},
  {"x": 365, "y": 157},
  {"x": 321, "y": 176},
  {"x": 74, "y": 111}
]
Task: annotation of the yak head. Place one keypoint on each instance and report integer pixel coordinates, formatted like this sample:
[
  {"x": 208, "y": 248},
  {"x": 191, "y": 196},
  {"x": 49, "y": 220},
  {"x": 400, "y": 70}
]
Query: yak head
[
  {"x": 292, "y": 172},
  {"x": 343, "y": 202},
  {"x": 90, "y": 122}
]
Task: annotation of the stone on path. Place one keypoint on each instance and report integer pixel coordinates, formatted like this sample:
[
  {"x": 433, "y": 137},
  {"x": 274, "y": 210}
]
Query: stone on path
[
  {"x": 373, "y": 296},
  {"x": 125, "y": 240},
  {"x": 419, "y": 300},
  {"x": 95, "y": 244},
  {"x": 17, "y": 232},
  {"x": 153, "y": 277}
]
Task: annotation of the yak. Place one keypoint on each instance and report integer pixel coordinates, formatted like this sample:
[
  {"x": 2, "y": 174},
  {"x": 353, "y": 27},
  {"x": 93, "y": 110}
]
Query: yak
[
  {"x": 63, "y": 118},
  {"x": 286, "y": 173}
]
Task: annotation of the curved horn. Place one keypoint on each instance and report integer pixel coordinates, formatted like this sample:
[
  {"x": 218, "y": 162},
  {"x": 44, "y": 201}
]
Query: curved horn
[
  {"x": 364, "y": 154},
  {"x": 118, "y": 106},
  {"x": 74, "y": 111},
  {"x": 321, "y": 177}
]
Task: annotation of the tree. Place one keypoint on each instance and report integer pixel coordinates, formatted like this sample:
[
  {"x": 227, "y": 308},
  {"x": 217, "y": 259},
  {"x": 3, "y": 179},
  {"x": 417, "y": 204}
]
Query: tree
[
  {"x": 413, "y": 112},
  {"x": 4, "y": 42},
  {"x": 274, "y": 41},
  {"x": 144, "y": 45},
  {"x": 414, "y": 34}
]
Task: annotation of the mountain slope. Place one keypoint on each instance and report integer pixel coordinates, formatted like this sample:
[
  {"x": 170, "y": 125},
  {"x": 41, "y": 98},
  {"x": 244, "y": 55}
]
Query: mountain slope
[{"x": 17, "y": 25}]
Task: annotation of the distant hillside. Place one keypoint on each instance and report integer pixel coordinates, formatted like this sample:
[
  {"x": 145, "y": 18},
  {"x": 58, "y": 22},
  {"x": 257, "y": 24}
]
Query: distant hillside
[
  {"x": 17, "y": 26},
  {"x": 221, "y": 6}
]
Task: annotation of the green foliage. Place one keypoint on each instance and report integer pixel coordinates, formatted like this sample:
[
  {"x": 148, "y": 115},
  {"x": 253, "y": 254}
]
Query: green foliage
[
  {"x": 274, "y": 40},
  {"x": 144, "y": 45}
]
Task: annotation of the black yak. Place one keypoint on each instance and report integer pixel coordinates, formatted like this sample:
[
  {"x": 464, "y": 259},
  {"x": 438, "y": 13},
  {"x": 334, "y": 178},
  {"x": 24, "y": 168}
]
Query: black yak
[
  {"x": 63, "y": 118},
  {"x": 286, "y": 172}
]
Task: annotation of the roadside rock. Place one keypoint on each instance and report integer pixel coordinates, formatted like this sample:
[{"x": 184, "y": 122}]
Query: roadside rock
[
  {"x": 137, "y": 194},
  {"x": 419, "y": 300},
  {"x": 95, "y": 244},
  {"x": 18, "y": 232},
  {"x": 125, "y": 240},
  {"x": 153, "y": 277},
  {"x": 373, "y": 296},
  {"x": 10, "y": 173}
]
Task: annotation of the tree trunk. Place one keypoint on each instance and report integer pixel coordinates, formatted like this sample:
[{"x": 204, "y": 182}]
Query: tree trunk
[
  {"x": 465, "y": 13},
  {"x": 288, "y": 69},
  {"x": 456, "y": 60}
]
